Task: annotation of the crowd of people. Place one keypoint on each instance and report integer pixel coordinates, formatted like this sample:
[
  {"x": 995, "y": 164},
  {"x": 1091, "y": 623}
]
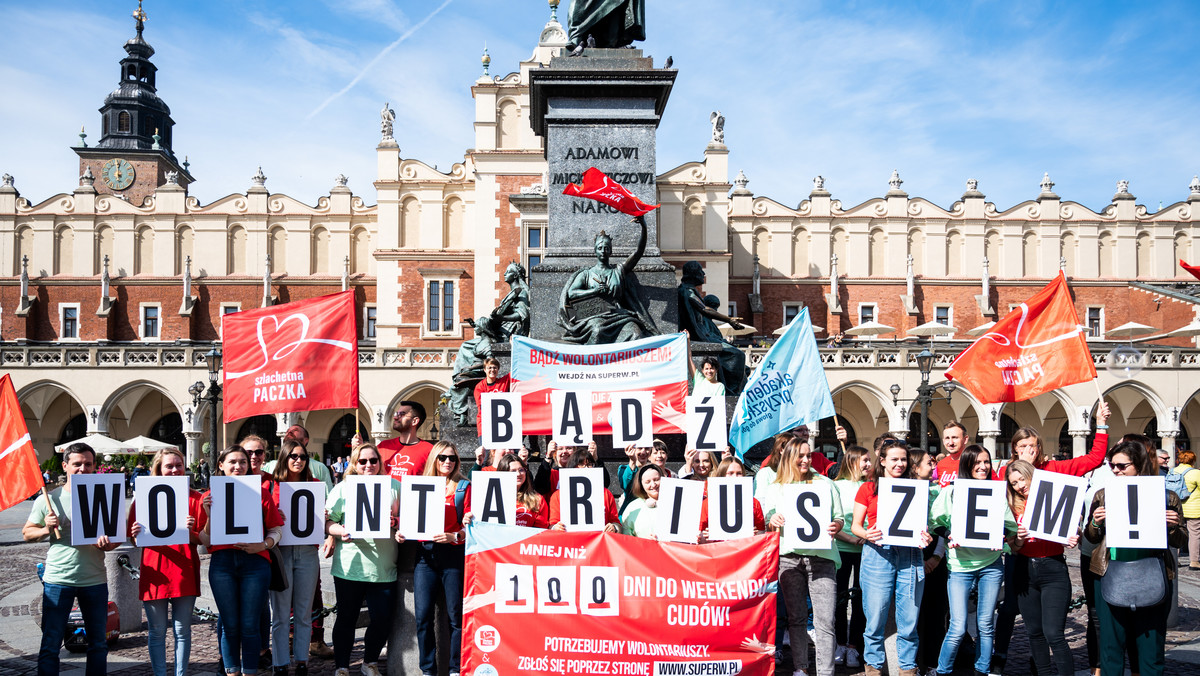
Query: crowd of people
[{"x": 838, "y": 598}]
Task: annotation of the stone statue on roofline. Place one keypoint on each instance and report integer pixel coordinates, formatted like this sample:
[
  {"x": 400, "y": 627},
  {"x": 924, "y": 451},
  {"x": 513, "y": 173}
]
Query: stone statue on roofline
[
  {"x": 510, "y": 318},
  {"x": 613, "y": 23}
]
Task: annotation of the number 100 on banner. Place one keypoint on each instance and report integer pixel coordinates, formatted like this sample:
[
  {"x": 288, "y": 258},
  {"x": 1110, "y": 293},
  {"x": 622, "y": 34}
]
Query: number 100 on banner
[{"x": 558, "y": 590}]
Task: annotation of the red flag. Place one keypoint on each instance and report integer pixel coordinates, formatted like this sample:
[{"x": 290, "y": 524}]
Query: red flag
[
  {"x": 1037, "y": 348},
  {"x": 1194, "y": 269},
  {"x": 20, "y": 474},
  {"x": 300, "y": 356},
  {"x": 598, "y": 186}
]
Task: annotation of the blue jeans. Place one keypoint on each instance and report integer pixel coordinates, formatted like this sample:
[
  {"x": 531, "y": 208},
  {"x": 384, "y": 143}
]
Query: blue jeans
[
  {"x": 988, "y": 580},
  {"x": 57, "y": 600},
  {"x": 239, "y": 586},
  {"x": 891, "y": 573},
  {"x": 302, "y": 568},
  {"x": 156, "y": 626},
  {"x": 439, "y": 569}
]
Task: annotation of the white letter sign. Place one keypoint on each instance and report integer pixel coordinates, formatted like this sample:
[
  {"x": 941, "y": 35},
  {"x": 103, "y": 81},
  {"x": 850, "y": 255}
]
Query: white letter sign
[
  {"x": 572, "y": 417},
  {"x": 1134, "y": 512},
  {"x": 977, "y": 513},
  {"x": 236, "y": 515},
  {"x": 162, "y": 510},
  {"x": 368, "y": 509},
  {"x": 303, "y": 507},
  {"x": 730, "y": 508},
  {"x": 632, "y": 419},
  {"x": 903, "y": 511},
  {"x": 97, "y": 508},
  {"x": 581, "y": 498},
  {"x": 494, "y": 497},
  {"x": 1054, "y": 506},
  {"x": 706, "y": 424},
  {"x": 678, "y": 517},
  {"x": 807, "y": 512},
  {"x": 422, "y": 507},
  {"x": 501, "y": 420}
]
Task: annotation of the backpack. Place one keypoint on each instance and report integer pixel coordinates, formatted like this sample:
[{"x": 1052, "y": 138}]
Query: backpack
[
  {"x": 1177, "y": 484},
  {"x": 460, "y": 497}
]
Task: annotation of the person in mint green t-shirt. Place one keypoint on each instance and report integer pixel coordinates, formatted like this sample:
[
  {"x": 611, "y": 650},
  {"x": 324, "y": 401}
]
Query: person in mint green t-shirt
[
  {"x": 364, "y": 570},
  {"x": 72, "y": 573},
  {"x": 970, "y": 567}
]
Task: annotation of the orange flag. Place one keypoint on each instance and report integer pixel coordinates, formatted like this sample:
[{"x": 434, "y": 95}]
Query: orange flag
[
  {"x": 1194, "y": 269},
  {"x": 1037, "y": 348},
  {"x": 20, "y": 475}
]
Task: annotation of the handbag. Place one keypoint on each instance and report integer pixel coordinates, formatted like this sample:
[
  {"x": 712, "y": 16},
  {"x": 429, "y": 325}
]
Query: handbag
[
  {"x": 279, "y": 581},
  {"x": 1135, "y": 584}
]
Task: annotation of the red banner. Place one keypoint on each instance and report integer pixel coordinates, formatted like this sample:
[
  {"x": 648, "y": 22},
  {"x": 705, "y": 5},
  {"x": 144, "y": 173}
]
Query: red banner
[
  {"x": 300, "y": 356},
  {"x": 598, "y": 186},
  {"x": 1036, "y": 348},
  {"x": 20, "y": 474},
  {"x": 551, "y": 602}
]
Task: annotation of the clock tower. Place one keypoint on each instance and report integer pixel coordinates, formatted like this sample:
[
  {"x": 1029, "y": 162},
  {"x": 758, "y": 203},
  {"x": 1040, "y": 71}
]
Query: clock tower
[{"x": 134, "y": 156}]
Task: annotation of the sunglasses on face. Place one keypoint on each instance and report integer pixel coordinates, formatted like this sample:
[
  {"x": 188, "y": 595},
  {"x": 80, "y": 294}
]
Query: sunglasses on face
[
  {"x": 1120, "y": 466},
  {"x": 298, "y": 456},
  {"x": 447, "y": 458},
  {"x": 368, "y": 461},
  {"x": 257, "y": 451}
]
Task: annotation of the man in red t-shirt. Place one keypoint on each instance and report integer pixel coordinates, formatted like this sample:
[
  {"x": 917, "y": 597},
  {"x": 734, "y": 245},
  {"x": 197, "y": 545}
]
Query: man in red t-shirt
[
  {"x": 491, "y": 383},
  {"x": 954, "y": 439},
  {"x": 405, "y": 454}
]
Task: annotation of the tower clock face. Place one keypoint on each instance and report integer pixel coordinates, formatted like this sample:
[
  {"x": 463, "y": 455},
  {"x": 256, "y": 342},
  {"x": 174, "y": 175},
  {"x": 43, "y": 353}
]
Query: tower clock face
[{"x": 117, "y": 173}]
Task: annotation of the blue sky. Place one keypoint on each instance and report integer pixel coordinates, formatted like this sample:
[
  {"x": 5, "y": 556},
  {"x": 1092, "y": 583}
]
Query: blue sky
[{"x": 1091, "y": 92}]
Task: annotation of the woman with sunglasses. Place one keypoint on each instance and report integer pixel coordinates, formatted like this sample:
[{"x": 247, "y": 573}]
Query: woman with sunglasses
[
  {"x": 364, "y": 570},
  {"x": 239, "y": 574},
  {"x": 440, "y": 562},
  {"x": 1143, "y": 627},
  {"x": 170, "y": 576},
  {"x": 301, "y": 568}
]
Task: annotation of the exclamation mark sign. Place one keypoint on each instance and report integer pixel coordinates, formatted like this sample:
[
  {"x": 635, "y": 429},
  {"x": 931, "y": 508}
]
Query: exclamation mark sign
[{"x": 1133, "y": 511}]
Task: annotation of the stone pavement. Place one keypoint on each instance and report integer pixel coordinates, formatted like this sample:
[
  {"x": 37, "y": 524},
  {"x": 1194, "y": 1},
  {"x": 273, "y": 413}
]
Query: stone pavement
[{"x": 20, "y": 601}]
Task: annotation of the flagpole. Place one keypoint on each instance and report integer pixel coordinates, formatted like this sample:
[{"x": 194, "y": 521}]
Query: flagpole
[
  {"x": 50, "y": 508},
  {"x": 1099, "y": 392},
  {"x": 837, "y": 421}
]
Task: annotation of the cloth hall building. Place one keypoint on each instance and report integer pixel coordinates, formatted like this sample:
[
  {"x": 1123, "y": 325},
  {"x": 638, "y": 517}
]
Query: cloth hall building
[{"x": 112, "y": 291}]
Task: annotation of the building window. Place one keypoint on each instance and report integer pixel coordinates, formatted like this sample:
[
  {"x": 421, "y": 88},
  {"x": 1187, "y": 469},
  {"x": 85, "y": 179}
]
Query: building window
[
  {"x": 535, "y": 245},
  {"x": 733, "y": 308},
  {"x": 123, "y": 123},
  {"x": 150, "y": 322},
  {"x": 866, "y": 313},
  {"x": 790, "y": 310},
  {"x": 369, "y": 322},
  {"x": 1095, "y": 323},
  {"x": 944, "y": 314},
  {"x": 441, "y": 306},
  {"x": 227, "y": 309},
  {"x": 68, "y": 321}
]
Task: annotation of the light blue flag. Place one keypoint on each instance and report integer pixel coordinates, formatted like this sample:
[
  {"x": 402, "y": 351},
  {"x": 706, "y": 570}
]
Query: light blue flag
[{"x": 789, "y": 389}]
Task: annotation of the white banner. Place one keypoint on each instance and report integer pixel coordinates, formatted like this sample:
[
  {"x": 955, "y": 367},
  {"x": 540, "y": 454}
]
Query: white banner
[
  {"x": 422, "y": 507},
  {"x": 501, "y": 420},
  {"x": 1135, "y": 512},
  {"x": 162, "y": 510},
  {"x": 97, "y": 508},
  {"x": 706, "y": 424},
  {"x": 494, "y": 497},
  {"x": 977, "y": 513},
  {"x": 730, "y": 508},
  {"x": 632, "y": 419},
  {"x": 571, "y": 415},
  {"x": 678, "y": 518},
  {"x": 903, "y": 511},
  {"x": 368, "y": 511},
  {"x": 303, "y": 507},
  {"x": 807, "y": 512},
  {"x": 1055, "y": 506},
  {"x": 236, "y": 515},
  {"x": 581, "y": 498}
]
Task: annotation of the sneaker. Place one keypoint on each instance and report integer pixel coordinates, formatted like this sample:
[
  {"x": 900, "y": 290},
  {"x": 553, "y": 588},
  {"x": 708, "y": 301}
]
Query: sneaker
[
  {"x": 280, "y": 671},
  {"x": 839, "y": 655},
  {"x": 302, "y": 669},
  {"x": 320, "y": 649},
  {"x": 369, "y": 669},
  {"x": 853, "y": 658},
  {"x": 343, "y": 671}
]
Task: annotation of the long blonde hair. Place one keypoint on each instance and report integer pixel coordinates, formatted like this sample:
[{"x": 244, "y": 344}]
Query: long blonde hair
[
  {"x": 352, "y": 467},
  {"x": 431, "y": 463},
  {"x": 788, "y": 473},
  {"x": 1015, "y": 501},
  {"x": 851, "y": 466}
]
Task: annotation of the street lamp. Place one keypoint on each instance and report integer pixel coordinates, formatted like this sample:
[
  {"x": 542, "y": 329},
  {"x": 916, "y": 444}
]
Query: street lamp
[
  {"x": 925, "y": 391},
  {"x": 212, "y": 396}
]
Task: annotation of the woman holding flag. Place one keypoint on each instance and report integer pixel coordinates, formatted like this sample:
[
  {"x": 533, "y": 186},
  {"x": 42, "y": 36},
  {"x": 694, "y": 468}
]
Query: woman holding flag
[
  {"x": 805, "y": 574},
  {"x": 364, "y": 570},
  {"x": 170, "y": 575},
  {"x": 889, "y": 573}
]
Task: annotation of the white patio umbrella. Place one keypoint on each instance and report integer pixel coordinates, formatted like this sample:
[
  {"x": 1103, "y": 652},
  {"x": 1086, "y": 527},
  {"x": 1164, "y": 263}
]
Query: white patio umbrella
[
  {"x": 727, "y": 329},
  {"x": 981, "y": 329},
  {"x": 148, "y": 445},
  {"x": 1190, "y": 331},
  {"x": 101, "y": 444},
  {"x": 779, "y": 331},
  {"x": 871, "y": 328},
  {"x": 930, "y": 329},
  {"x": 1129, "y": 330}
]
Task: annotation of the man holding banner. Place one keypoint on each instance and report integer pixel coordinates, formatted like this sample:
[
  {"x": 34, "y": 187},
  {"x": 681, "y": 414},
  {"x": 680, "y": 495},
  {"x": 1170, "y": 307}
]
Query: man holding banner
[{"x": 73, "y": 573}]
